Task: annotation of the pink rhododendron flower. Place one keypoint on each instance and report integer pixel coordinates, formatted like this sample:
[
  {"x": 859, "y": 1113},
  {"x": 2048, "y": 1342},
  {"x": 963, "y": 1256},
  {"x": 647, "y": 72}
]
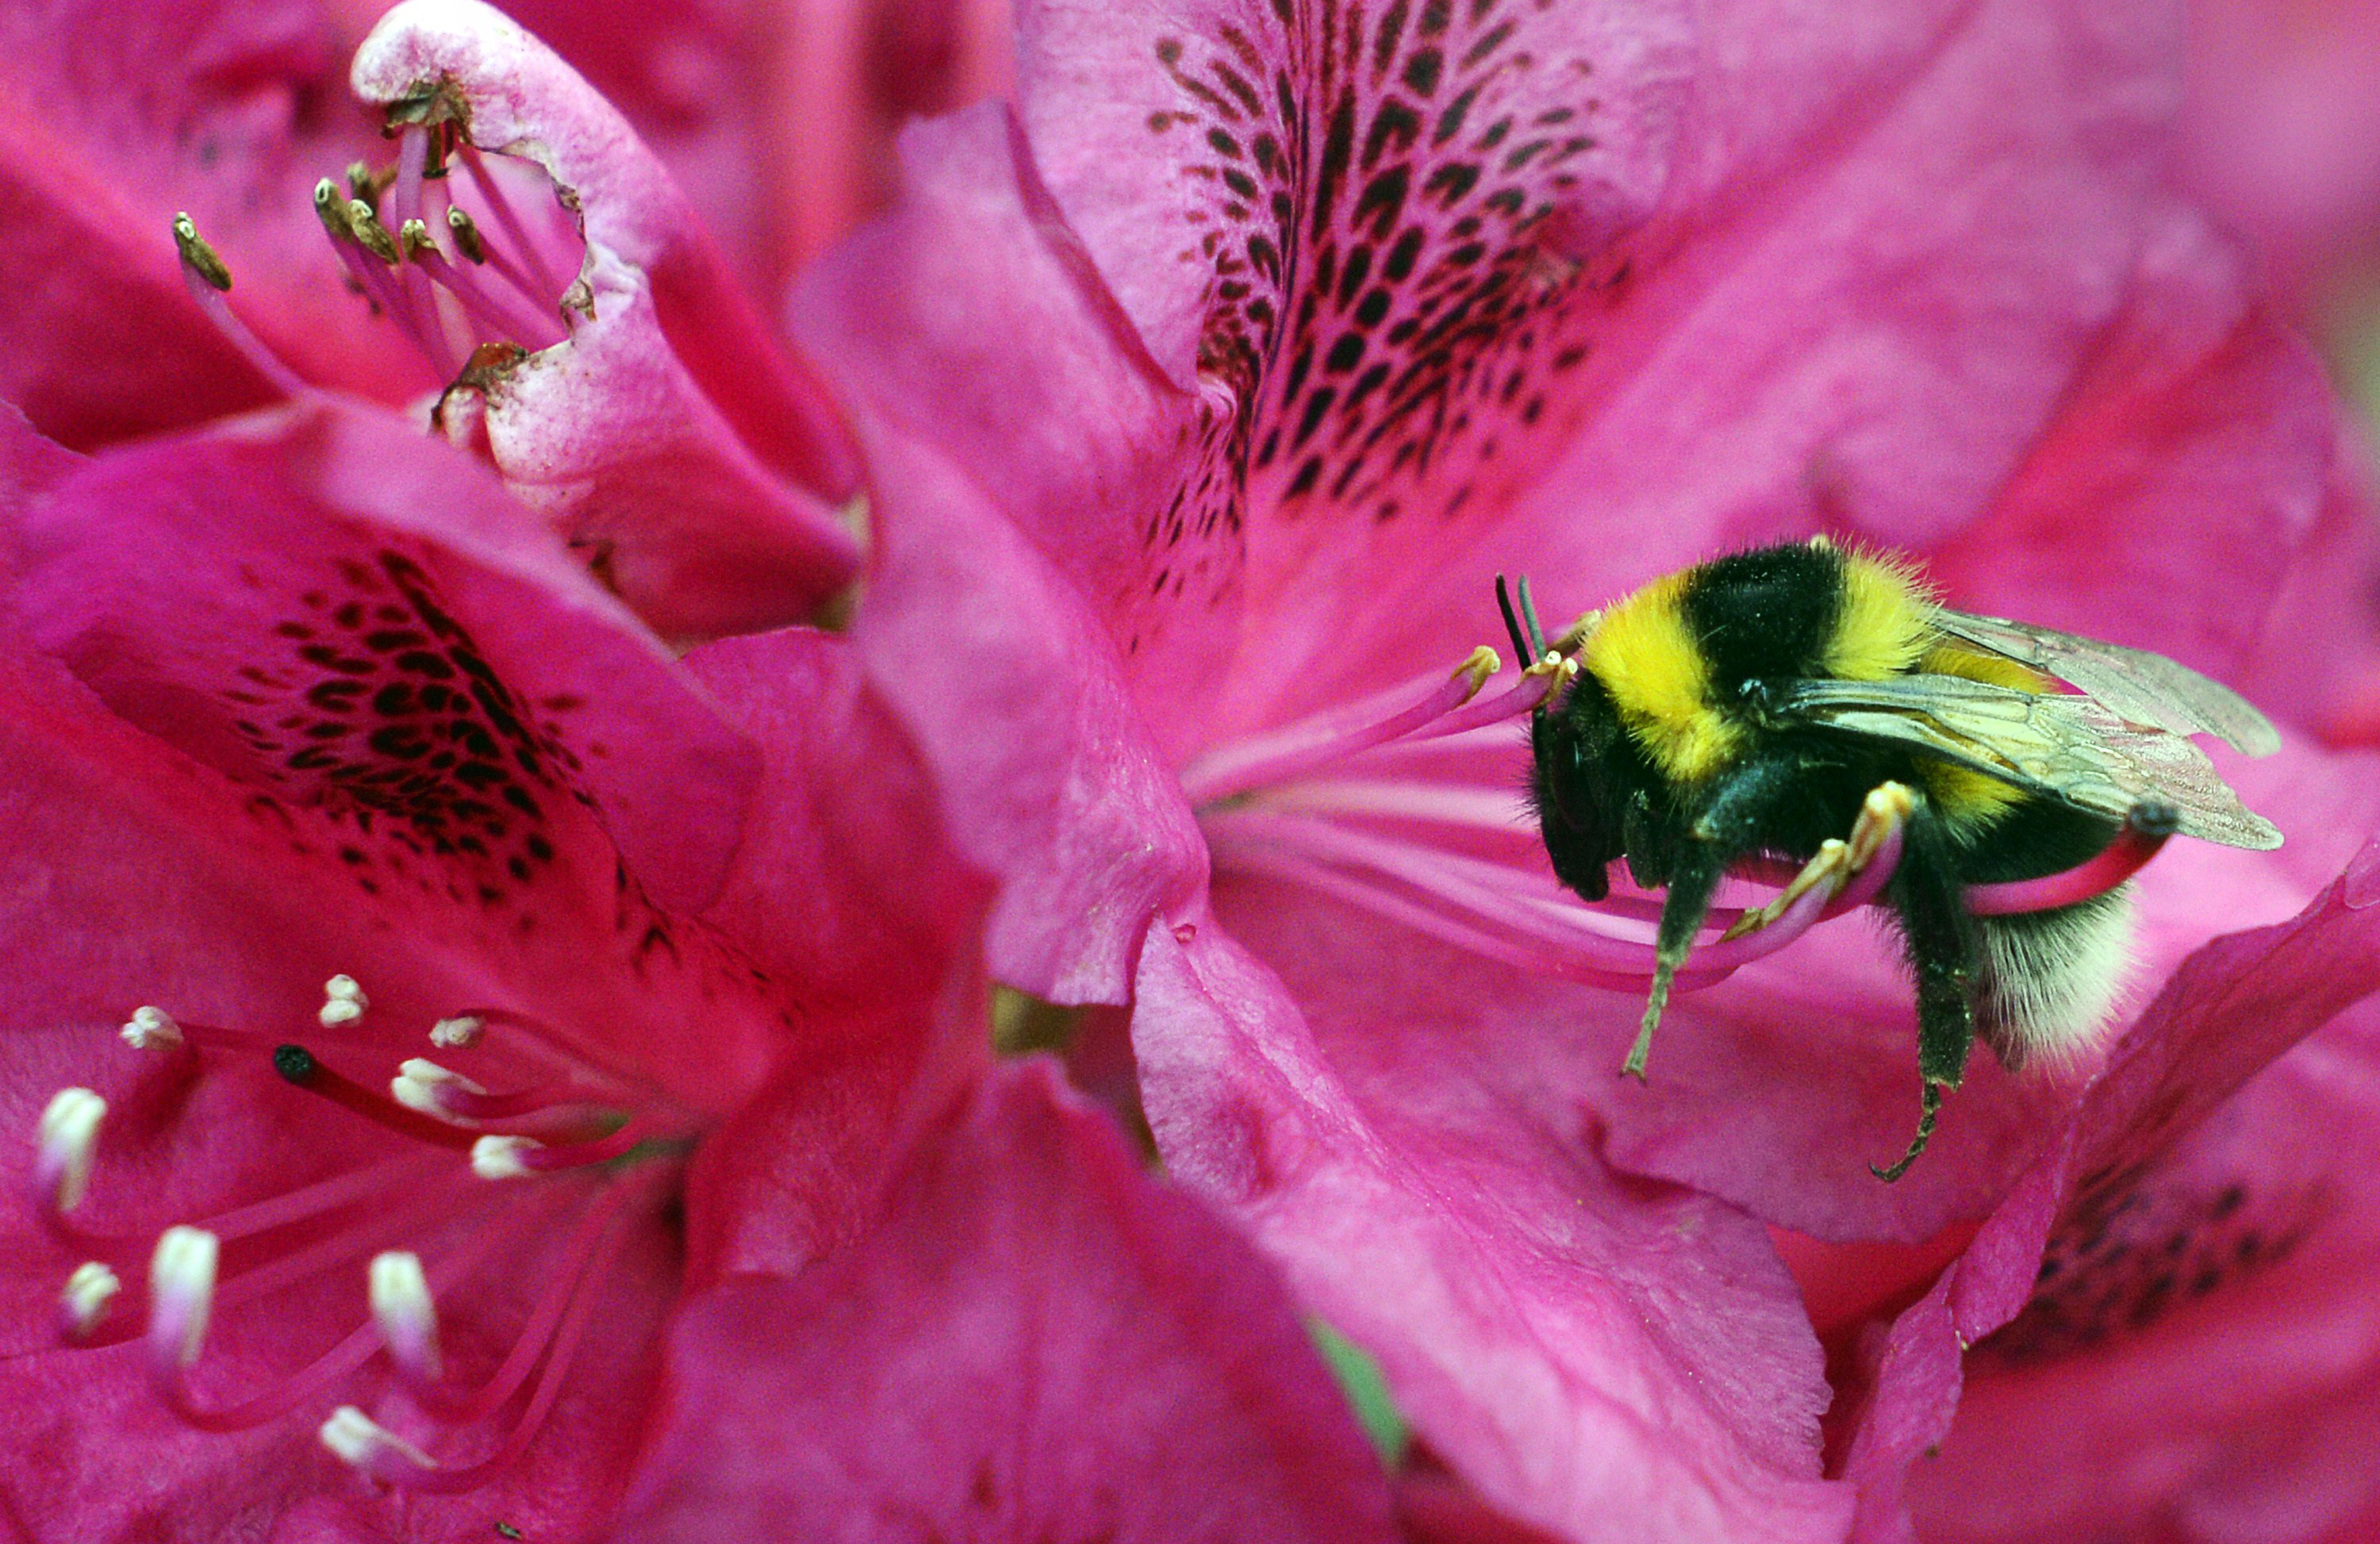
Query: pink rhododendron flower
[
  {"x": 557, "y": 294},
  {"x": 776, "y": 116},
  {"x": 1207, "y": 394},
  {"x": 641, "y": 976}
]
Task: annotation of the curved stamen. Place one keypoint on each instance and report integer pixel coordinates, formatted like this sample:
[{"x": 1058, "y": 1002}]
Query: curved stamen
[
  {"x": 1325, "y": 880},
  {"x": 2123, "y": 857},
  {"x": 208, "y": 279},
  {"x": 89, "y": 1292},
  {"x": 409, "y": 1470},
  {"x": 543, "y": 280},
  {"x": 299, "y": 1068},
  {"x": 1239, "y": 766}
]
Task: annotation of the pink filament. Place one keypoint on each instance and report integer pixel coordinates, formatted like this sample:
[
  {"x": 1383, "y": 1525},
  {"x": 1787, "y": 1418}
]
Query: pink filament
[
  {"x": 1240, "y": 766},
  {"x": 2120, "y": 861}
]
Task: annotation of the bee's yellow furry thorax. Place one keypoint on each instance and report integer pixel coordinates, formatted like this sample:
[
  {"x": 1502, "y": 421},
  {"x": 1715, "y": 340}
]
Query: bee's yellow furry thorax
[{"x": 1645, "y": 653}]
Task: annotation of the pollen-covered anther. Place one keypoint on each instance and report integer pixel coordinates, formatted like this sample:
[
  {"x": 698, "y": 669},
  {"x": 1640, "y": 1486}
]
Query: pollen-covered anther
[
  {"x": 468, "y": 241},
  {"x": 68, "y": 1137},
  {"x": 419, "y": 1082},
  {"x": 1885, "y": 811},
  {"x": 365, "y": 226},
  {"x": 199, "y": 257},
  {"x": 84, "y": 1302},
  {"x": 150, "y": 1030},
  {"x": 458, "y": 1033},
  {"x": 502, "y": 1156},
  {"x": 181, "y": 1294},
  {"x": 1482, "y": 663},
  {"x": 343, "y": 1001},
  {"x": 362, "y": 1442},
  {"x": 406, "y": 1314}
]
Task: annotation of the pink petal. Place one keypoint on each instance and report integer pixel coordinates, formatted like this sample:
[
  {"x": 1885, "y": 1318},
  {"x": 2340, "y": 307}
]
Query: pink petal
[
  {"x": 2182, "y": 477},
  {"x": 1035, "y": 1342},
  {"x": 999, "y": 672},
  {"x": 2191, "y": 1355},
  {"x": 348, "y": 618},
  {"x": 847, "y": 887},
  {"x": 2234, "y": 1006},
  {"x": 2284, "y": 136},
  {"x": 1580, "y": 1347},
  {"x": 669, "y": 431},
  {"x": 970, "y": 315}
]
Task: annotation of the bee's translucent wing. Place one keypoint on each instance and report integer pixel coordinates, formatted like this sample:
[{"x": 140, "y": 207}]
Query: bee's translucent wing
[
  {"x": 2133, "y": 684},
  {"x": 2068, "y": 748}
]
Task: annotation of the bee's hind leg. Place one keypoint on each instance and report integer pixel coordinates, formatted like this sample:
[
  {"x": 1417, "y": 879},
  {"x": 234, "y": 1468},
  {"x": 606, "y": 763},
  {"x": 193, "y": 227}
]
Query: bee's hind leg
[{"x": 1944, "y": 953}]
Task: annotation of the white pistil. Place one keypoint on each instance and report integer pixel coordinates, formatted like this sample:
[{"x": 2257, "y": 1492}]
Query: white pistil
[
  {"x": 84, "y": 1302},
  {"x": 343, "y": 1001},
  {"x": 458, "y": 1033},
  {"x": 68, "y": 1136},
  {"x": 152, "y": 1029},
  {"x": 360, "y": 1440},
  {"x": 406, "y": 1314},
  {"x": 181, "y": 1293},
  {"x": 417, "y": 1084},
  {"x": 500, "y": 1157}
]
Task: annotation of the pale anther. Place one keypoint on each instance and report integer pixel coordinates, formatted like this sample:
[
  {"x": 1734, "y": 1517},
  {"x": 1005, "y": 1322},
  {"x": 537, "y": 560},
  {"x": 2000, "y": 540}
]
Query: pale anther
[
  {"x": 1482, "y": 663},
  {"x": 406, "y": 1314},
  {"x": 152, "y": 1029},
  {"x": 416, "y": 1086},
  {"x": 88, "y": 1291},
  {"x": 182, "y": 1290},
  {"x": 459, "y": 1033},
  {"x": 343, "y": 1001},
  {"x": 69, "y": 1136},
  {"x": 500, "y": 1157},
  {"x": 357, "y": 1439}
]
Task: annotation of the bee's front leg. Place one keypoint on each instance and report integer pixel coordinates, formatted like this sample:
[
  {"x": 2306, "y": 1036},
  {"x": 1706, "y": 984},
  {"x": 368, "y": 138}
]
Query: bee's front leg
[{"x": 1727, "y": 824}]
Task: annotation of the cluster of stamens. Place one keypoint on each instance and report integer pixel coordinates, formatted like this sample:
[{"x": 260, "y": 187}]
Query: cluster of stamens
[
  {"x": 472, "y": 298},
  {"x": 602, "y": 1149}
]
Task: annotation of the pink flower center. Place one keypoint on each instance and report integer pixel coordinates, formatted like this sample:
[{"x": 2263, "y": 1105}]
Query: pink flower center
[
  {"x": 578, "y": 1151},
  {"x": 471, "y": 281}
]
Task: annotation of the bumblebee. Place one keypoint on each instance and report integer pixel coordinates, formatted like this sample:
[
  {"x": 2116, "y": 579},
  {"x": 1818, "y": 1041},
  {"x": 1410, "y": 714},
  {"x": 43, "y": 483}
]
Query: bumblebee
[{"x": 1747, "y": 708}]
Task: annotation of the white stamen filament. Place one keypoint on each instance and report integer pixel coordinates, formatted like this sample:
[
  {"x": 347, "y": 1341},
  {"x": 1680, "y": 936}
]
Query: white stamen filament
[
  {"x": 360, "y": 1440},
  {"x": 152, "y": 1029},
  {"x": 84, "y": 1302},
  {"x": 181, "y": 1293},
  {"x": 408, "y": 1315},
  {"x": 458, "y": 1033},
  {"x": 500, "y": 1157},
  {"x": 343, "y": 1001},
  {"x": 69, "y": 1136}
]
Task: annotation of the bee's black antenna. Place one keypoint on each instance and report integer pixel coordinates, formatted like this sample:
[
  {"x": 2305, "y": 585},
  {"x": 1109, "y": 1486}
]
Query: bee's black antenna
[
  {"x": 1512, "y": 623},
  {"x": 1531, "y": 645}
]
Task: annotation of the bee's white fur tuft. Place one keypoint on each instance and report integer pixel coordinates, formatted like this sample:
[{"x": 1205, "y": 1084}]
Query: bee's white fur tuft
[{"x": 2051, "y": 980}]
